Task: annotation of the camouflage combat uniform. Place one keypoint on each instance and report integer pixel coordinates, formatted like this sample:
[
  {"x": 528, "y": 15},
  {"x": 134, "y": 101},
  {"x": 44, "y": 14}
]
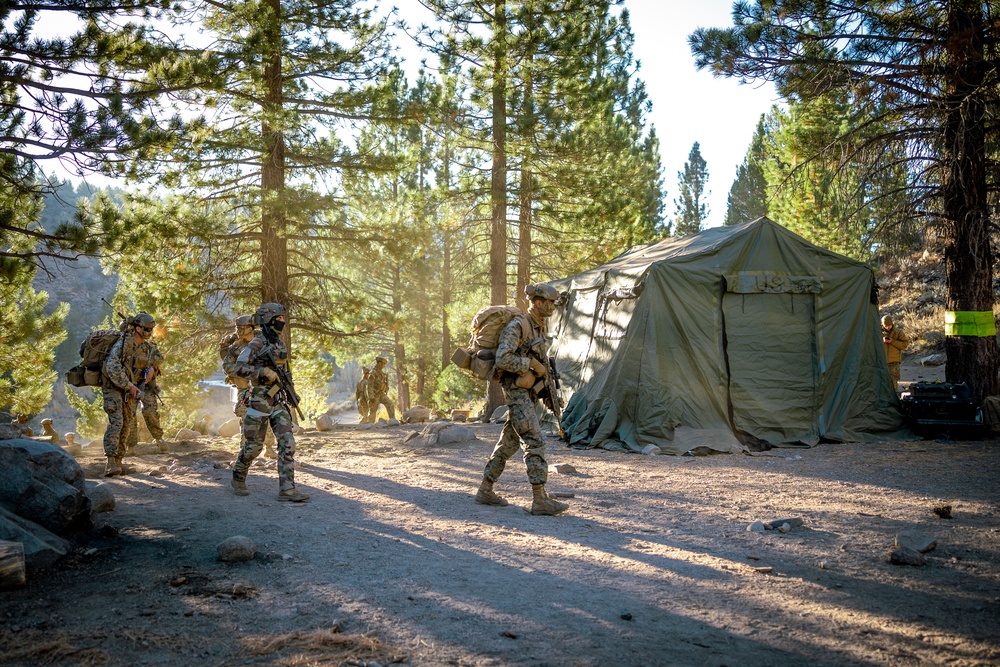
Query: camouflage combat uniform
[
  {"x": 361, "y": 398},
  {"x": 522, "y": 429},
  {"x": 231, "y": 347},
  {"x": 894, "y": 351},
  {"x": 265, "y": 405},
  {"x": 378, "y": 393},
  {"x": 124, "y": 366},
  {"x": 150, "y": 400}
]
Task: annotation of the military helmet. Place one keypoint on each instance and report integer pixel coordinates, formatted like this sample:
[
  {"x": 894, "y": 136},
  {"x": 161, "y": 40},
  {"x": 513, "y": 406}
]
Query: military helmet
[
  {"x": 541, "y": 291},
  {"x": 266, "y": 313},
  {"x": 243, "y": 321},
  {"x": 144, "y": 320},
  {"x": 381, "y": 360}
]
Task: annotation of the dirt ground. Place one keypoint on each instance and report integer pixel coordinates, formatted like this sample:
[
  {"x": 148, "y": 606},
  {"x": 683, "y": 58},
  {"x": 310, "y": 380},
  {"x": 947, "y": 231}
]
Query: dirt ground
[{"x": 393, "y": 562}]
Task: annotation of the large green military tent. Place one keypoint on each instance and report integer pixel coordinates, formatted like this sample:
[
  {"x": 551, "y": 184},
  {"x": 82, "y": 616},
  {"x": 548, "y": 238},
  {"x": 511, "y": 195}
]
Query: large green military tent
[{"x": 725, "y": 339}]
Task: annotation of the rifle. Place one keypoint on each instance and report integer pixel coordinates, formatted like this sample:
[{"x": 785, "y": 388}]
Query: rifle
[
  {"x": 549, "y": 390},
  {"x": 284, "y": 383},
  {"x": 142, "y": 385},
  {"x": 123, "y": 325}
]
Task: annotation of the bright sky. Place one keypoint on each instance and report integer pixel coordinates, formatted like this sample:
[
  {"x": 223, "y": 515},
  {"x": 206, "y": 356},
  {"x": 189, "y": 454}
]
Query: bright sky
[{"x": 688, "y": 105}]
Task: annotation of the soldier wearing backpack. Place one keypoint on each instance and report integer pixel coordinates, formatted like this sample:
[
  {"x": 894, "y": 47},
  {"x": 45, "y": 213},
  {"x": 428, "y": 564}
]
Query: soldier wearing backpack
[
  {"x": 514, "y": 361},
  {"x": 264, "y": 361},
  {"x": 149, "y": 399},
  {"x": 230, "y": 348},
  {"x": 129, "y": 365},
  {"x": 378, "y": 391}
]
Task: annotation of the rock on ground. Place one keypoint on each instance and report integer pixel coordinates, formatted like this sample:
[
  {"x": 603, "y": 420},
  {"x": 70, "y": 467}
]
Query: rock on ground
[
  {"x": 324, "y": 423},
  {"x": 44, "y": 484},
  {"x": 236, "y": 549},
  {"x": 187, "y": 434},
  {"x": 42, "y": 548},
  {"x": 230, "y": 428},
  {"x": 102, "y": 499},
  {"x": 499, "y": 415},
  {"x": 441, "y": 434},
  {"x": 416, "y": 414}
]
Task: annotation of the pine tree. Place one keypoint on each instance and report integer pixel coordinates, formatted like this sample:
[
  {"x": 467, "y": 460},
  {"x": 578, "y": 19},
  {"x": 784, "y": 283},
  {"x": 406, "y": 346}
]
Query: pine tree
[
  {"x": 748, "y": 195},
  {"x": 690, "y": 206}
]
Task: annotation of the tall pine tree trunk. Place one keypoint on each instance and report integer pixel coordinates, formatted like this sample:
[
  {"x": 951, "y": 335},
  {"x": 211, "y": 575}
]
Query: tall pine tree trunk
[
  {"x": 524, "y": 215},
  {"x": 498, "y": 190},
  {"x": 972, "y": 355},
  {"x": 446, "y": 259},
  {"x": 399, "y": 349},
  {"x": 274, "y": 243}
]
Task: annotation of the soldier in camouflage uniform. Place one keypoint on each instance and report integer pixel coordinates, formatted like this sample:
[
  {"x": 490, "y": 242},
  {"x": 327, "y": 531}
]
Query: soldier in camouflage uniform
[
  {"x": 128, "y": 364},
  {"x": 150, "y": 401},
  {"x": 361, "y": 396},
  {"x": 378, "y": 391},
  {"x": 229, "y": 350},
  {"x": 514, "y": 359},
  {"x": 267, "y": 404}
]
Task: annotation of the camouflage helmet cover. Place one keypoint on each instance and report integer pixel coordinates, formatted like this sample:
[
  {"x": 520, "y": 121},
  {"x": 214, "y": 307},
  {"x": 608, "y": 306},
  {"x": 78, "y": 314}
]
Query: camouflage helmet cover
[
  {"x": 266, "y": 313},
  {"x": 541, "y": 291},
  {"x": 144, "y": 320},
  {"x": 243, "y": 321}
]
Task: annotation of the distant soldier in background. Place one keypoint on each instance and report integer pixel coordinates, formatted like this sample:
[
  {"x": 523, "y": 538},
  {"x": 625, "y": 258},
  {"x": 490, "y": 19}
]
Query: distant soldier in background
[
  {"x": 150, "y": 401},
  {"x": 229, "y": 349},
  {"x": 361, "y": 396},
  {"x": 378, "y": 390},
  {"x": 129, "y": 364},
  {"x": 895, "y": 342},
  {"x": 263, "y": 361}
]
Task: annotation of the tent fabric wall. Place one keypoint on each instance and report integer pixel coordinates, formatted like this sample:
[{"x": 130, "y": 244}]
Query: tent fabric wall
[{"x": 722, "y": 340}]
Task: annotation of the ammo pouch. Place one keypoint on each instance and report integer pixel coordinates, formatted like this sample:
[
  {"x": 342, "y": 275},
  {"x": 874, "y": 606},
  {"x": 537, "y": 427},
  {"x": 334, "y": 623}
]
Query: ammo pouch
[{"x": 74, "y": 376}]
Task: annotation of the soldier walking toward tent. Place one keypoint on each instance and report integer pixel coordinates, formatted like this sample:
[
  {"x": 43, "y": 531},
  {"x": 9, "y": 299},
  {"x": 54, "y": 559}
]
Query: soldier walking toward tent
[
  {"x": 129, "y": 364},
  {"x": 515, "y": 358},
  {"x": 378, "y": 390},
  {"x": 230, "y": 348},
  {"x": 264, "y": 362},
  {"x": 895, "y": 342}
]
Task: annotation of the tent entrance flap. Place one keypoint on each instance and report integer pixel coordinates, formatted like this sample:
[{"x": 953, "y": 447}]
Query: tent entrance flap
[{"x": 773, "y": 374}]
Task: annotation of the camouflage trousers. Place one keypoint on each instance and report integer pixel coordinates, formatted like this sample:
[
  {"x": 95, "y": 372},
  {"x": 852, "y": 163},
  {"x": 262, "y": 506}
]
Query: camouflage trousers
[
  {"x": 121, "y": 420},
  {"x": 381, "y": 400},
  {"x": 240, "y": 410},
  {"x": 520, "y": 431},
  {"x": 894, "y": 374},
  {"x": 150, "y": 414},
  {"x": 362, "y": 410},
  {"x": 260, "y": 413}
]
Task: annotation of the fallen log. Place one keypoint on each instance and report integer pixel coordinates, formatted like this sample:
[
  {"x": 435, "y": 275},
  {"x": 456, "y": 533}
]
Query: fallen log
[{"x": 11, "y": 565}]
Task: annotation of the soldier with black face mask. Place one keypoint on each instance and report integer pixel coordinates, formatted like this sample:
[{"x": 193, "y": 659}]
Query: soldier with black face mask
[{"x": 259, "y": 362}]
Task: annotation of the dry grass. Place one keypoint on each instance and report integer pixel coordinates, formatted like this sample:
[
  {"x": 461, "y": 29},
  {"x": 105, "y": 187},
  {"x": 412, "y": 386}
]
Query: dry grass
[
  {"x": 320, "y": 647},
  {"x": 32, "y": 647}
]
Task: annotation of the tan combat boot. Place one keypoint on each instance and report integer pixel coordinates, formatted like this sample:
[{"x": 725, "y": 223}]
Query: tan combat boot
[
  {"x": 240, "y": 487},
  {"x": 486, "y": 496},
  {"x": 292, "y": 495},
  {"x": 113, "y": 468},
  {"x": 542, "y": 504},
  {"x": 269, "y": 451},
  {"x": 125, "y": 468}
]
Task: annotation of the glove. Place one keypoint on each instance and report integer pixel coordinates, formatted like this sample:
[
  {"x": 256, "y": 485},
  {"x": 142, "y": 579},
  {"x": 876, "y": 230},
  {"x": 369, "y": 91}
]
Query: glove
[
  {"x": 268, "y": 375},
  {"x": 537, "y": 367}
]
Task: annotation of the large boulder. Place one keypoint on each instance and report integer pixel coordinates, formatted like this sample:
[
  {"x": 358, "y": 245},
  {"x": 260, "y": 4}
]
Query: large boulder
[
  {"x": 187, "y": 434},
  {"x": 230, "y": 428},
  {"x": 441, "y": 434},
  {"x": 416, "y": 414},
  {"x": 325, "y": 423},
  {"x": 44, "y": 484},
  {"x": 42, "y": 548}
]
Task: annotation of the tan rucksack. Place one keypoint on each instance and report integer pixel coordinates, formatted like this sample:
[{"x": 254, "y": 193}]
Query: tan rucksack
[
  {"x": 93, "y": 351},
  {"x": 487, "y": 326}
]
